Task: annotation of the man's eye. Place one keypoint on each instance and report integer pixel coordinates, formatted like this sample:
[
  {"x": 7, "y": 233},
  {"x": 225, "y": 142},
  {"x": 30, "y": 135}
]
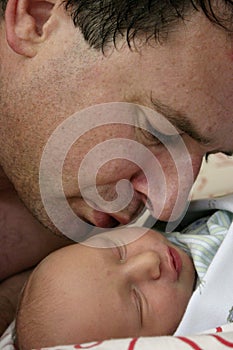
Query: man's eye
[{"x": 151, "y": 139}]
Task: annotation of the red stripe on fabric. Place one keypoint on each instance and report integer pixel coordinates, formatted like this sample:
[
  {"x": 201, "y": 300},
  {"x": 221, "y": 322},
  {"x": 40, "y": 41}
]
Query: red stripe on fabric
[
  {"x": 219, "y": 329},
  {"x": 222, "y": 340},
  {"x": 190, "y": 343},
  {"x": 87, "y": 346},
  {"x": 132, "y": 344}
]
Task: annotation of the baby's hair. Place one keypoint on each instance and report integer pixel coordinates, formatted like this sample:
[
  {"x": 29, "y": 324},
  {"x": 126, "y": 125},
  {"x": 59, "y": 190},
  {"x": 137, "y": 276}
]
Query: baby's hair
[{"x": 31, "y": 311}]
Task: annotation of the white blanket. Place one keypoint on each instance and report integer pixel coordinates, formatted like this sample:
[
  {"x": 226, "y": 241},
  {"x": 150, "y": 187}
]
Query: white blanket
[{"x": 212, "y": 302}]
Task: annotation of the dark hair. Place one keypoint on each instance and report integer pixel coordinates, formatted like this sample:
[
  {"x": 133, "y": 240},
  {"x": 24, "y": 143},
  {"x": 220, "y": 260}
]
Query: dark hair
[
  {"x": 103, "y": 21},
  {"x": 3, "y": 6}
]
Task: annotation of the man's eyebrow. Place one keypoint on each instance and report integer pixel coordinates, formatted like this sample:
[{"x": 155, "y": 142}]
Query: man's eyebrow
[{"x": 180, "y": 121}]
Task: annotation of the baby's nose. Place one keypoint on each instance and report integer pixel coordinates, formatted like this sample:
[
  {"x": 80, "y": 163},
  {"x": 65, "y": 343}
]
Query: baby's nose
[{"x": 143, "y": 266}]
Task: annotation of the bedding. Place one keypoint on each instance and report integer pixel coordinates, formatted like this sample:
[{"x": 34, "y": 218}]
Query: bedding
[{"x": 220, "y": 338}]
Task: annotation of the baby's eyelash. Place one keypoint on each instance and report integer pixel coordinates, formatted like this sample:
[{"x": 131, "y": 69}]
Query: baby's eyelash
[
  {"x": 122, "y": 252},
  {"x": 138, "y": 300}
]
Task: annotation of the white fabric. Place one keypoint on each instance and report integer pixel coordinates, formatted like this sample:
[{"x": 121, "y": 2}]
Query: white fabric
[
  {"x": 211, "y": 303},
  {"x": 214, "y": 341},
  {"x": 202, "y": 239}
]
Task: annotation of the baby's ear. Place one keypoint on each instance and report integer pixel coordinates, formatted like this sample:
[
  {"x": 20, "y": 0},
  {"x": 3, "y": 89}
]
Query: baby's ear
[{"x": 27, "y": 23}]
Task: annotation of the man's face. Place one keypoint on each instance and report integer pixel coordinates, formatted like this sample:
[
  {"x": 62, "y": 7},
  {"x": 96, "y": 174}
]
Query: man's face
[
  {"x": 188, "y": 80},
  {"x": 141, "y": 289}
]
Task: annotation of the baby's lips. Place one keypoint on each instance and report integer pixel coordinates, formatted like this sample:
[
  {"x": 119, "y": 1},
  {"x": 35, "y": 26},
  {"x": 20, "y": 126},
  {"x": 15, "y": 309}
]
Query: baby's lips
[{"x": 175, "y": 262}]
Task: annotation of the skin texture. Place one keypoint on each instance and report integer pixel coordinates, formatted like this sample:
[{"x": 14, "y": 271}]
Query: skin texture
[
  {"x": 20, "y": 249},
  {"x": 48, "y": 73},
  {"x": 80, "y": 293},
  {"x": 176, "y": 74}
]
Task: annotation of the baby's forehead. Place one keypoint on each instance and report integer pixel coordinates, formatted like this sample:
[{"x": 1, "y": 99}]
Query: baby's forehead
[
  {"x": 118, "y": 237},
  {"x": 58, "y": 266}
]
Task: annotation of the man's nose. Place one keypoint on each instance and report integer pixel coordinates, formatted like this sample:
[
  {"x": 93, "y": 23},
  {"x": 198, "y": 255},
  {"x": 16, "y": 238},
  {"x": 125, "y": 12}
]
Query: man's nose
[
  {"x": 142, "y": 267},
  {"x": 166, "y": 196}
]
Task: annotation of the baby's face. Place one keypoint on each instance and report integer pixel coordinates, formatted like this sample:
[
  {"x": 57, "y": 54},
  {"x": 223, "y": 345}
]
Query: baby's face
[{"x": 95, "y": 294}]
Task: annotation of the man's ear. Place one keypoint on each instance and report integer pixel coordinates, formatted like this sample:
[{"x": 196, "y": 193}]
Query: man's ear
[{"x": 25, "y": 22}]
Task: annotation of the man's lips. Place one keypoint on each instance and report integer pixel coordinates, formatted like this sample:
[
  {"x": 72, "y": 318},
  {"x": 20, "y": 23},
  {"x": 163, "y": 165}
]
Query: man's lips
[
  {"x": 106, "y": 220},
  {"x": 94, "y": 215},
  {"x": 175, "y": 262}
]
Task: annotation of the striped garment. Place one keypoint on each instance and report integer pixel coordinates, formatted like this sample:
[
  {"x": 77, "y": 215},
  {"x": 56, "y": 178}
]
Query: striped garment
[{"x": 202, "y": 239}]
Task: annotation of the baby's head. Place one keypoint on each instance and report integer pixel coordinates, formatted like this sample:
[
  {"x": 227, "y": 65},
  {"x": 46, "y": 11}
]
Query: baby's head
[{"x": 81, "y": 293}]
